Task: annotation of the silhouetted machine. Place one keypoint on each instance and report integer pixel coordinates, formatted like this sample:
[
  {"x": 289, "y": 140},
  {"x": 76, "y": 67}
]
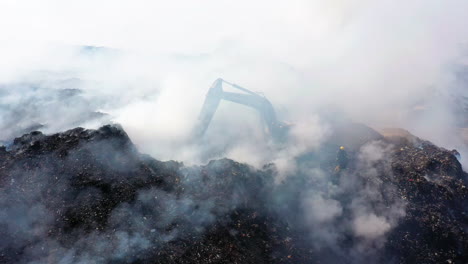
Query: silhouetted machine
[{"x": 277, "y": 130}]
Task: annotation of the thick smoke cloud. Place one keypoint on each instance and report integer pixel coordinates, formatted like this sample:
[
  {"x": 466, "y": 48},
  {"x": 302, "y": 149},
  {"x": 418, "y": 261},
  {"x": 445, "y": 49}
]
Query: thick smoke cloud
[
  {"x": 383, "y": 63},
  {"x": 386, "y": 63}
]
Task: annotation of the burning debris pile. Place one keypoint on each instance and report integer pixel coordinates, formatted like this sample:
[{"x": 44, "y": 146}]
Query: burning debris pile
[
  {"x": 433, "y": 184},
  {"x": 88, "y": 196}
]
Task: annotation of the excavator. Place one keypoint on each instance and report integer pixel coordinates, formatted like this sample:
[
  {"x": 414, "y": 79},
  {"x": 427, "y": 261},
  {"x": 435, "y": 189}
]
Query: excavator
[
  {"x": 345, "y": 133},
  {"x": 276, "y": 129}
]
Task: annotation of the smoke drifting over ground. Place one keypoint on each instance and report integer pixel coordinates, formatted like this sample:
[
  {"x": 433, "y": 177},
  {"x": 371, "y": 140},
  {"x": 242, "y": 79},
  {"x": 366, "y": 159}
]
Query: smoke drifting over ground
[
  {"x": 148, "y": 66},
  {"x": 89, "y": 197}
]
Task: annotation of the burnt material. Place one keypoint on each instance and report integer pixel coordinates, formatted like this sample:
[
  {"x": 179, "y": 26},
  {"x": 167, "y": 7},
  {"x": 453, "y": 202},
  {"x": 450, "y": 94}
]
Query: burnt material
[{"x": 88, "y": 196}]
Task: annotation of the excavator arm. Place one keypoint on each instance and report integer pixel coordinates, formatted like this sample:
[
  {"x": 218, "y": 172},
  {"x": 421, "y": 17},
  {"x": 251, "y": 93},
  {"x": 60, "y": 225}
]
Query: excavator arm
[{"x": 276, "y": 128}]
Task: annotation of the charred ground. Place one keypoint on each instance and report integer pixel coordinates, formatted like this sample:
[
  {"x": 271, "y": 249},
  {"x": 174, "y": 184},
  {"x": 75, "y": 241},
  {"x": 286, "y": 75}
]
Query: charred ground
[{"x": 88, "y": 196}]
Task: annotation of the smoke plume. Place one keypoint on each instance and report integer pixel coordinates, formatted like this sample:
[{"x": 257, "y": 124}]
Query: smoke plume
[{"x": 147, "y": 65}]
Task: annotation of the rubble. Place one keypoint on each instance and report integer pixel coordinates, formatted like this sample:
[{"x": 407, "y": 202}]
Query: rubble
[
  {"x": 89, "y": 196},
  {"x": 432, "y": 181}
]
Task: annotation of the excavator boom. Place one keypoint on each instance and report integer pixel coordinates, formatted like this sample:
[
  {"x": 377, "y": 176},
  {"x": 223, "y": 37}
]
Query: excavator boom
[{"x": 248, "y": 98}]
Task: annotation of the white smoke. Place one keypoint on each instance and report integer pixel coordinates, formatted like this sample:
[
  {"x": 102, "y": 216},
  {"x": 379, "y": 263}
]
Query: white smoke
[
  {"x": 389, "y": 63},
  {"x": 375, "y": 61}
]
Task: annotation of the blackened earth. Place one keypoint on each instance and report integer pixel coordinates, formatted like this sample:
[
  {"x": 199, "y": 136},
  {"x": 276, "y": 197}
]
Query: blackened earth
[{"x": 88, "y": 196}]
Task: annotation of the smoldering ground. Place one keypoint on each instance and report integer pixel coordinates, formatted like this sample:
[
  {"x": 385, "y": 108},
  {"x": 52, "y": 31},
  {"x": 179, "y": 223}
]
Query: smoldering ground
[{"x": 88, "y": 196}]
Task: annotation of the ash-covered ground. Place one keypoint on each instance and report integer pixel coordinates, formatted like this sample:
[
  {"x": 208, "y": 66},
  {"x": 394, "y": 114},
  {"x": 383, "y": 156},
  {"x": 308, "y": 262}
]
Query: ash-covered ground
[{"x": 89, "y": 196}]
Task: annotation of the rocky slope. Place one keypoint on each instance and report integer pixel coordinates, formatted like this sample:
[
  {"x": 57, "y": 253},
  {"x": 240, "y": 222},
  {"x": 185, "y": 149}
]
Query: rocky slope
[{"x": 88, "y": 196}]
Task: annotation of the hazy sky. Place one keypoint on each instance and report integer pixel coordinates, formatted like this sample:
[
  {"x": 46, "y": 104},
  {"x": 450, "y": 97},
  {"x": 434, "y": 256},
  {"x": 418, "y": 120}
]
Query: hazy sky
[
  {"x": 294, "y": 31},
  {"x": 374, "y": 59}
]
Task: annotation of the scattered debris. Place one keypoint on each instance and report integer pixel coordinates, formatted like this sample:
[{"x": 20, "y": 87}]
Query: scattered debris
[{"x": 88, "y": 196}]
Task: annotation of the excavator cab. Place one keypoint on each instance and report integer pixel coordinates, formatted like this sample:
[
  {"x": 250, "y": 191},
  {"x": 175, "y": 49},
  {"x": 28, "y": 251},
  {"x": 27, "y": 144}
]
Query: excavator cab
[{"x": 278, "y": 130}]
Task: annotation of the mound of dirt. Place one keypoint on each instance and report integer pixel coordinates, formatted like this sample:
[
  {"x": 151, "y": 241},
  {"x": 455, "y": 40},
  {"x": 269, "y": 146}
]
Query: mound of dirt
[{"x": 88, "y": 196}]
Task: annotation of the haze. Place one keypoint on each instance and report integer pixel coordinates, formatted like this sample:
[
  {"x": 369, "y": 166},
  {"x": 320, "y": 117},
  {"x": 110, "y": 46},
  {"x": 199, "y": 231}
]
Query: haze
[{"x": 376, "y": 62}]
